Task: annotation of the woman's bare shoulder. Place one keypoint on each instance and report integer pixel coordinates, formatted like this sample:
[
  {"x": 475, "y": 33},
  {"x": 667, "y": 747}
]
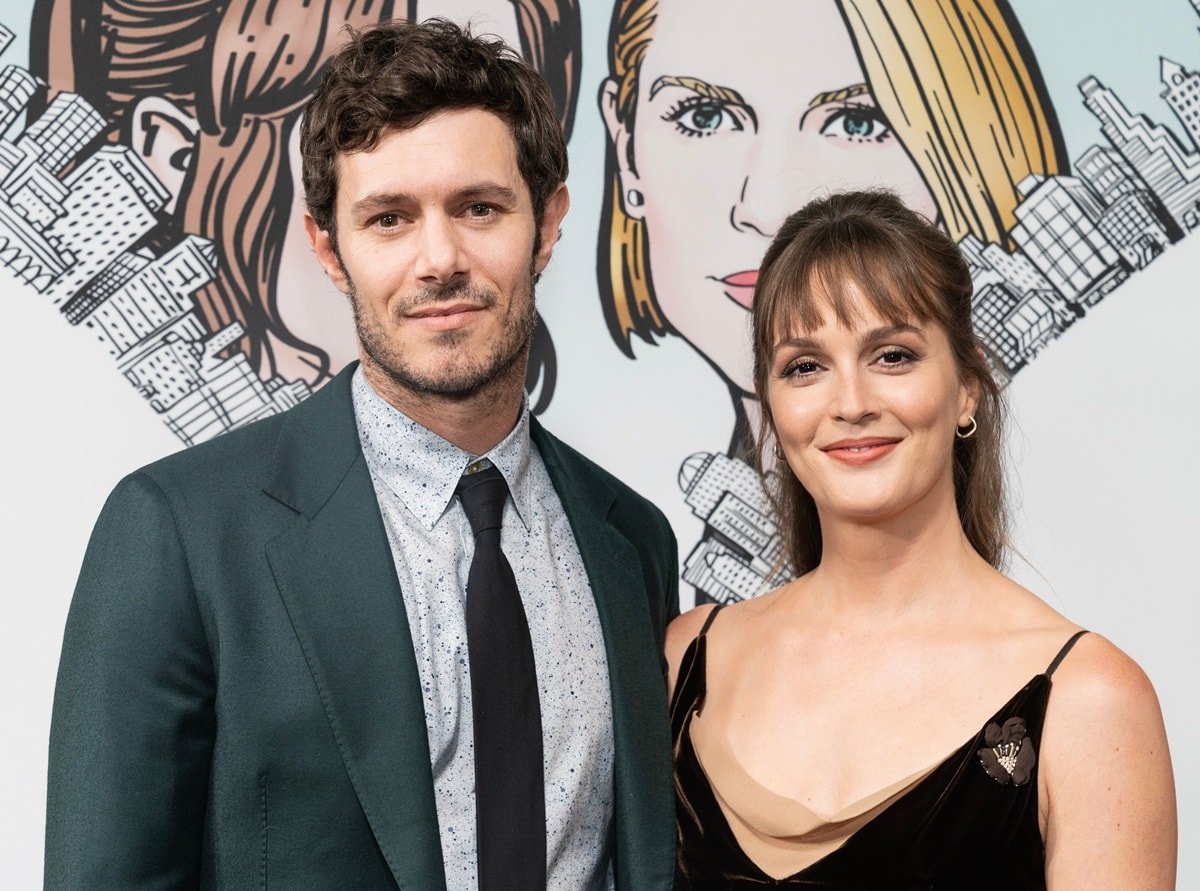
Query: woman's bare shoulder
[
  {"x": 1097, "y": 677},
  {"x": 1110, "y": 794}
]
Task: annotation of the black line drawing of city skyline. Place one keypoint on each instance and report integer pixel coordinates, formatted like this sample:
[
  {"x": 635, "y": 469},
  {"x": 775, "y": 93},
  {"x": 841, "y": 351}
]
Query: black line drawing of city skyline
[{"x": 71, "y": 239}]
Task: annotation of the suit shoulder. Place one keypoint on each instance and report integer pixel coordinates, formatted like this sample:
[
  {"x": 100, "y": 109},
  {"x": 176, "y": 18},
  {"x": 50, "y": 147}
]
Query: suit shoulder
[{"x": 220, "y": 463}]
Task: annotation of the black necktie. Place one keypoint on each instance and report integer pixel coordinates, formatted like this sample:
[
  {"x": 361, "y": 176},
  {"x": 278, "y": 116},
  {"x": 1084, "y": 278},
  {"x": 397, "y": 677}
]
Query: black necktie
[{"x": 510, "y": 803}]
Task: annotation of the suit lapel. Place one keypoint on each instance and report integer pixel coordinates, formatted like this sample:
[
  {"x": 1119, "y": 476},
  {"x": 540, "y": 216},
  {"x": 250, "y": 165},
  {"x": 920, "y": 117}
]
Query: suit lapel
[
  {"x": 336, "y": 576},
  {"x": 644, "y": 807}
]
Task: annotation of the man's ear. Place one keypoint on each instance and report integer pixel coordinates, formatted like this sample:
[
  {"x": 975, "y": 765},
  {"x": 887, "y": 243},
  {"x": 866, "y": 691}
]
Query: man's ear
[
  {"x": 557, "y": 206},
  {"x": 622, "y": 142},
  {"x": 164, "y": 136},
  {"x": 327, "y": 256}
]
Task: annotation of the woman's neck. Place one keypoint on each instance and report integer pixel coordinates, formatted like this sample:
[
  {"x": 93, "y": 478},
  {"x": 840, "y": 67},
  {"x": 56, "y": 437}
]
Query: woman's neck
[{"x": 911, "y": 566}]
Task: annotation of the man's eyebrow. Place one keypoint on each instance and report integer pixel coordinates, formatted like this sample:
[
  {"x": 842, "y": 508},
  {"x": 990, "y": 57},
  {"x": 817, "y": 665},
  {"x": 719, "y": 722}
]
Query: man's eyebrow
[
  {"x": 491, "y": 192},
  {"x": 839, "y": 95},
  {"x": 696, "y": 85}
]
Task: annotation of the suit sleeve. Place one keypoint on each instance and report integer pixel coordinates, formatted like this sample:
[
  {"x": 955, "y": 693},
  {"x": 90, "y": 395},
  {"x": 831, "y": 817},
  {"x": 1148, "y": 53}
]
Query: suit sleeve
[{"x": 133, "y": 725}]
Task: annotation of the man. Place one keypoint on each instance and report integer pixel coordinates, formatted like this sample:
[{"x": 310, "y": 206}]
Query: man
[{"x": 301, "y": 655}]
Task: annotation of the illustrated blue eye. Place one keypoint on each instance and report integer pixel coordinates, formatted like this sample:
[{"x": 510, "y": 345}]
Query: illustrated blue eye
[
  {"x": 700, "y": 116},
  {"x": 857, "y": 122},
  {"x": 706, "y": 117}
]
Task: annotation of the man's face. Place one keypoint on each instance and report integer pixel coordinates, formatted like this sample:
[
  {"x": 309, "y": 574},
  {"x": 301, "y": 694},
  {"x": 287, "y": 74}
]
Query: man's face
[{"x": 435, "y": 249}]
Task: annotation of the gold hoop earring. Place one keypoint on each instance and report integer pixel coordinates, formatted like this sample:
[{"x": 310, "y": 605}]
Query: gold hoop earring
[{"x": 969, "y": 431}]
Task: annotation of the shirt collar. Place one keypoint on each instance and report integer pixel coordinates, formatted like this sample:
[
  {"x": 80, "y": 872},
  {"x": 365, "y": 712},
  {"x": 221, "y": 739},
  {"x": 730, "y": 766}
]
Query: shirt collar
[{"x": 421, "y": 468}]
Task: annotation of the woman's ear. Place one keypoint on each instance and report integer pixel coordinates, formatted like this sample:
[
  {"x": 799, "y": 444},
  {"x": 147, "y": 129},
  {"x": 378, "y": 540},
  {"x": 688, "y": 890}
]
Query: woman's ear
[
  {"x": 970, "y": 392},
  {"x": 164, "y": 136},
  {"x": 621, "y": 138}
]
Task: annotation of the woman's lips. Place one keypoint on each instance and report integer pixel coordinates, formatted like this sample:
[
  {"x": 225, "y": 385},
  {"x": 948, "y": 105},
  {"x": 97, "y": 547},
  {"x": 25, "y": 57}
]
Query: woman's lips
[
  {"x": 860, "y": 451},
  {"x": 739, "y": 287}
]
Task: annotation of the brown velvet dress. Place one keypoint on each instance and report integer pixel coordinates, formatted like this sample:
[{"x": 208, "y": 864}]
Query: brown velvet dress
[{"x": 970, "y": 822}]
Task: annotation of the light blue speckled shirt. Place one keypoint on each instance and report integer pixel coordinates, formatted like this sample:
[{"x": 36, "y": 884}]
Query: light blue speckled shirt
[{"x": 415, "y": 472}]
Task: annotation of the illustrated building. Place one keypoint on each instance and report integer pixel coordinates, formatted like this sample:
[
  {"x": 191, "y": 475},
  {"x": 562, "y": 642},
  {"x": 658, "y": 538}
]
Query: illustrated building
[
  {"x": 152, "y": 295},
  {"x": 6, "y": 37},
  {"x": 1015, "y": 325},
  {"x": 62, "y": 131},
  {"x": 1015, "y": 270},
  {"x": 742, "y": 556},
  {"x": 1170, "y": 172},
  {"x": 228, "y": 393},
  {"x": 30, "y": 200},
  {"x": 1108, "y": 173},
  {"x": 1057, "y": 229},
  {"x": 17, "y": 87},
  {"x": 1132, "y": 225},
  {"x": 1183, "y": 95},
  {"x": 112, "y": 203}
]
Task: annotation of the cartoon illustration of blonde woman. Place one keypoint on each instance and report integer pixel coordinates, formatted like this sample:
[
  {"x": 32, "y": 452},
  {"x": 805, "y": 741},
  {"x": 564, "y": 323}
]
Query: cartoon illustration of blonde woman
[
  {"x": 720, "y": 126},
  {"x": 202, "y": 99}
]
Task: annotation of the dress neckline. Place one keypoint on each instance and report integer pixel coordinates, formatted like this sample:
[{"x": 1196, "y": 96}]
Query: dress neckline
[{"x": 696, "y": 652}]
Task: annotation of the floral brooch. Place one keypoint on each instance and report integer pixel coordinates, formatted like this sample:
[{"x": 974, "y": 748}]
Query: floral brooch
[{"x": 1009, "y": 756}]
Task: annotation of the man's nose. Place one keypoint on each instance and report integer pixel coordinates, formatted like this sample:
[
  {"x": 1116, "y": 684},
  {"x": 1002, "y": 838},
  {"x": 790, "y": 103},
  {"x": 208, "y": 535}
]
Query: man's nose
[{"x": 440, "y": 254}]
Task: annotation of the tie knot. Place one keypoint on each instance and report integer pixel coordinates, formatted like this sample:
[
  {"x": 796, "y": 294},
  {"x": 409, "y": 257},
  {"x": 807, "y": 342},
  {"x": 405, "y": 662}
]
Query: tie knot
[{"x": 482, "y": 495}]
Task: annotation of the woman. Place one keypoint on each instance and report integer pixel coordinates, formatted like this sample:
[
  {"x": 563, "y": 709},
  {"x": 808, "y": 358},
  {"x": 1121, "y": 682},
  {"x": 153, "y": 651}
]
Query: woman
[
  {"x": 721, "y": 125},
  {"x": 812, "y": 724}
]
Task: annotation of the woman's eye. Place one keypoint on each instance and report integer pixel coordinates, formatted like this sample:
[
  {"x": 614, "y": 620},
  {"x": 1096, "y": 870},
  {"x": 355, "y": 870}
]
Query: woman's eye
[
  {"x": 801, "y": 368},
  {"x": 858, "y": 123},
  {"x": 895, "y": 358},
  {"x": 702, "y": 117}
]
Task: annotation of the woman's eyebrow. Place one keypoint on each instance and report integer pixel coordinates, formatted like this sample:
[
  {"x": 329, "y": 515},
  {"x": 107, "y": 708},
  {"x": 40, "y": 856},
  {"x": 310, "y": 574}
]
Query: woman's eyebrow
[
  {"x": 696, "y": 85},
  {"x": 888, "y": 331},
  {"x": 839, "y": 95},
  {"x": 875, "y": 335}
]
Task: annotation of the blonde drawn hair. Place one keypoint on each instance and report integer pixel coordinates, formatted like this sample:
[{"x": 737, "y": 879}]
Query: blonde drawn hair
[{"x": 955, "y": 79}]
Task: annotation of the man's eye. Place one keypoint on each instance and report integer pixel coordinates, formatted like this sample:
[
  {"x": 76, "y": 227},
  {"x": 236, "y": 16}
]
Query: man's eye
[
  {"x": 480, "y": 210},
  {"x": 387, "y": 221}
]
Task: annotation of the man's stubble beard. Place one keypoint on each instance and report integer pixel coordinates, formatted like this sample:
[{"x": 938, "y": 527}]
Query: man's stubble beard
[{"x": 461, "y": 376}]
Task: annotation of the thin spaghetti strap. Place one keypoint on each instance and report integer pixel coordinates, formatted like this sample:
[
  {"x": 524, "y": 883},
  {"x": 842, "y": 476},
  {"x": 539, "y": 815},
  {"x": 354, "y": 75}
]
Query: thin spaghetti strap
[
  {"x": 711, "y": 615},
  {"x": 1062, "y": 654}
]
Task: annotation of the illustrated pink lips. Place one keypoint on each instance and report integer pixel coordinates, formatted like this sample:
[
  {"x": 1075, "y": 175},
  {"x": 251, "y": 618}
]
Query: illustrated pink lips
[
  {"x": 740, "y": 287},
  {"x": 860, "y": 451}
]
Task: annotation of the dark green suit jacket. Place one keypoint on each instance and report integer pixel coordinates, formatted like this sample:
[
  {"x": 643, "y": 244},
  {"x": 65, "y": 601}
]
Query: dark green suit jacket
[{"x": 238, "y": 704}]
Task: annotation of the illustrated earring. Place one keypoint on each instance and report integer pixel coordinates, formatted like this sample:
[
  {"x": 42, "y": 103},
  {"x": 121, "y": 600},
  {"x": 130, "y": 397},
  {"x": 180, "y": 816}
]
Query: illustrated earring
[
  {"x": 779, "y": 455},
  {"x": 969, "y": 430},
  {"x": 634, "y": 198}
]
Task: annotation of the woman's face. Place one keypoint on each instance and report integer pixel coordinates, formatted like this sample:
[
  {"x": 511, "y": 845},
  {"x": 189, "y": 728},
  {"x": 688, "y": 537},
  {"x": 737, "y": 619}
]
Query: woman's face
[
  {"x": 866, "y": 413},
  {"x": 743, "y": 115}
]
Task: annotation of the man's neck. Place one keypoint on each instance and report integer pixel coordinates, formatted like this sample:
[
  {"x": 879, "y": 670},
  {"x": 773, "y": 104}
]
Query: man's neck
[{"x": 475, "y": 422}]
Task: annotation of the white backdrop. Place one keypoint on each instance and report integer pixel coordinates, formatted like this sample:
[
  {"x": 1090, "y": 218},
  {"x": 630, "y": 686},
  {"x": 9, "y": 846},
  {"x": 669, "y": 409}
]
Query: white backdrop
[{"x": 1105, "y": 426}]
